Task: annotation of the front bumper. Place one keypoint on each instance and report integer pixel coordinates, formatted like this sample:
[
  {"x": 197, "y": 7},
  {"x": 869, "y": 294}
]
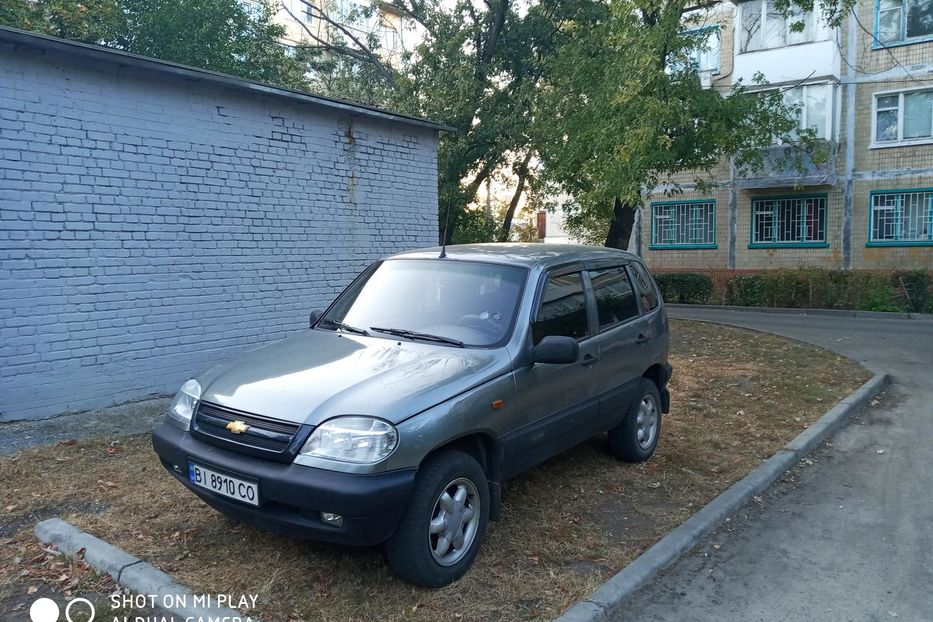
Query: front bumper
[{"x": 292, "y": 497}]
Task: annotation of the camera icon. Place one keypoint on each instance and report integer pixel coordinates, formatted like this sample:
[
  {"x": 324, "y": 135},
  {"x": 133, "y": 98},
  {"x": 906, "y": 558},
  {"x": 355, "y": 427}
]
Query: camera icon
[{"x": 47, "y": 610}]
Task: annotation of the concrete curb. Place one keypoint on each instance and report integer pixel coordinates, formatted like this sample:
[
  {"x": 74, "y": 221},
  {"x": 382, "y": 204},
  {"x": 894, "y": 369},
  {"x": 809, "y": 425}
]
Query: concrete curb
[
  {"x": 608, "y": 599},
  {"x": 128, "y": 571},
  {"x": 876, "y": 315}
]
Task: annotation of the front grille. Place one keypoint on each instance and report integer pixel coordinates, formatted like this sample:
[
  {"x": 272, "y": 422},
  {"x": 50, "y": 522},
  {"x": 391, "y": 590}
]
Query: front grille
[{"x": 269, "y": 436}]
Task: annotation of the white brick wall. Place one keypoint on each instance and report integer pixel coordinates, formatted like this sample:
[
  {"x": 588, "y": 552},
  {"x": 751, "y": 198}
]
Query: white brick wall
[{"x": 150, "y": 226}]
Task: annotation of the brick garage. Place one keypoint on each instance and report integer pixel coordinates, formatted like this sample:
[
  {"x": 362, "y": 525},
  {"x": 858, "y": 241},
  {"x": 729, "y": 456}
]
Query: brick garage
[{"x": 155, "y": 218}]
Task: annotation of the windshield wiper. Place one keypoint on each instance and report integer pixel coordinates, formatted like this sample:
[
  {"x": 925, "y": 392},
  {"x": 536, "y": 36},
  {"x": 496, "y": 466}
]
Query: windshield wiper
[
  {"x": 411, "y": 334},
  {"x": 342, "y": 326}
]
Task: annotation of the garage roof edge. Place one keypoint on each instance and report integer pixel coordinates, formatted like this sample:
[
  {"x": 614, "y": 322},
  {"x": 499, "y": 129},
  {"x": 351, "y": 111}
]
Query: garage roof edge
[{"x": 76, "y": 49}]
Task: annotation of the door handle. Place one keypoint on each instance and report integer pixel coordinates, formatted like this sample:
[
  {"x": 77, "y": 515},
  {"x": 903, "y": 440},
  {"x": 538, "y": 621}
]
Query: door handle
[
  {"x": 590, "y": 359},
  {"x": 642, "y": 339}
]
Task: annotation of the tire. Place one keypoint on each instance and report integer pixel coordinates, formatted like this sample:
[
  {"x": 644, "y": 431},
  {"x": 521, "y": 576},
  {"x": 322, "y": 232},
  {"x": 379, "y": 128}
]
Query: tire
[
  {"x": 635, "y": 439},
  {"x": 415, "y": 553}
]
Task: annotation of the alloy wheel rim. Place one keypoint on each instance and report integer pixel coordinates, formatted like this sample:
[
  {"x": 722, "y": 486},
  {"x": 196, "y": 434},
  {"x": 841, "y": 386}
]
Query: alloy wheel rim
[
  {"x": 646, "y": 422},
  {"x": 454, "y": 521}
]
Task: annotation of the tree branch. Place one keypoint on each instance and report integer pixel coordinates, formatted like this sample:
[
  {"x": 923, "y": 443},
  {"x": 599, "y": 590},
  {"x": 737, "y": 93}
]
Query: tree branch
[{"x": 363, "y": 53}]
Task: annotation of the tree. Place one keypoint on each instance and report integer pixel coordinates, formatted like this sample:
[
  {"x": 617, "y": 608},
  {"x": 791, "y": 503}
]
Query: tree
[
  {"x": 627, "y": 112},
  {"x": 220, "y": 35},
  {"x": 89, "y": 21}
]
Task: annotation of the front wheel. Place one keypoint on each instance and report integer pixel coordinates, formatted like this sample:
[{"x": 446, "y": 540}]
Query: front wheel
[
  {"x": 444, "y": 524},
  {"x": 636, "y": 438}
]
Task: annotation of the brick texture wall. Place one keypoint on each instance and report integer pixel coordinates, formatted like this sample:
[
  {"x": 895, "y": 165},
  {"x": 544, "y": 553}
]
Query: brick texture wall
[{"x": 151, "y": 226}]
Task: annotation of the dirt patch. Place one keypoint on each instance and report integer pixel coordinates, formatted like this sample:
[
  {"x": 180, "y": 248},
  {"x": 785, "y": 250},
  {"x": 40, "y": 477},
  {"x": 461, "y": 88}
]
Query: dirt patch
[{"x": 567, "y": 525}]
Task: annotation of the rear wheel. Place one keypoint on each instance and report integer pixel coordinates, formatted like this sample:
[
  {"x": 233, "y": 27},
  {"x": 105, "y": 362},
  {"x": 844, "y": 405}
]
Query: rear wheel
[
  {"x": 444, "y": 524},
  {"x": 636, "y": 438}
]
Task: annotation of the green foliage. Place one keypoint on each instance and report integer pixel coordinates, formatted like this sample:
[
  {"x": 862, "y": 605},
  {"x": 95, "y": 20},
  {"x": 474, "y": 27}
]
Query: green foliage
[
  {"x": 685, "y": 287},
  {"x": 919, "y": 286},
  {"x": 832, "y": 289},
  {"x": 626, "y": 111},
  {"x": 473, "y": 226},
  {"x": 220, "y": 35},
  {"x": 89, "y": 21}
]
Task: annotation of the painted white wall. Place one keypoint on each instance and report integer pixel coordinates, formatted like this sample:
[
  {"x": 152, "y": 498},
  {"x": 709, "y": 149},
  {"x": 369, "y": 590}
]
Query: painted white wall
[
  {"x": 555, "y": 230},
  {"x": 820, "y": 59}
]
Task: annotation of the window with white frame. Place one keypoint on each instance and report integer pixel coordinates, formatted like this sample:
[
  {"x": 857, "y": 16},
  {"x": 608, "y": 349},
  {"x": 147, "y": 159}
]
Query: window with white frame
[
  {"x": 789, "y": 220},
  {"x": 903, "y": 117},
  {"x": 684, "y": 223},
  {"x": 904, "y": 216},
  {"x": 705, "y": 55},
  {"x": 901, "y": 21},
  {"x": 815, "y": 108},
  {"x": 763, "y": 26}
]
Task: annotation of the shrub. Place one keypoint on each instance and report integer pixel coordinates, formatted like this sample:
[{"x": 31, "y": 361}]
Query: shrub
[
  {"x": 745, "y": 291},
  {"x": 816, "y": 288},
  {"x": 685, "y": 287},
  {"x": 919, "y": 286}
]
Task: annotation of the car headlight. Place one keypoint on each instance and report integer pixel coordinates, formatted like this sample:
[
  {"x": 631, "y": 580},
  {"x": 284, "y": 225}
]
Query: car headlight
[
  {"x": 184, "y": 404},
  {"x": 362, "y": 440}
]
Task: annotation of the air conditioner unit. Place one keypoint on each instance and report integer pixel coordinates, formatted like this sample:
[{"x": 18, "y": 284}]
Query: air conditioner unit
[{"x": 706, "y": 79}]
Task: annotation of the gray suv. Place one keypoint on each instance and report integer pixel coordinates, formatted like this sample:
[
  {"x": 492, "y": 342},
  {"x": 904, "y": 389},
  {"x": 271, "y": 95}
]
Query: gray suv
[{"x": 431, "y": 380}]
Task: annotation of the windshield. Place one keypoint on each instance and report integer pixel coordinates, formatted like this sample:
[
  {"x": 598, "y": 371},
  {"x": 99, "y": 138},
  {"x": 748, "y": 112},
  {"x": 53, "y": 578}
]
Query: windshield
[{"x": 472, "y": 303}]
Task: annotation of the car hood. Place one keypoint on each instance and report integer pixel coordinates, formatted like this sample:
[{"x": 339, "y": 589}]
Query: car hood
[{"x": 316, "y": 375}]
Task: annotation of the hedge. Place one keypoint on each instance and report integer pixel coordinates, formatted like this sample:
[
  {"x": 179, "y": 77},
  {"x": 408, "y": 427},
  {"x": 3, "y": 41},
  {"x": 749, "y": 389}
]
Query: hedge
[
  {"x": 816, "y": 288},
  {"x": 685, "y": 287}
]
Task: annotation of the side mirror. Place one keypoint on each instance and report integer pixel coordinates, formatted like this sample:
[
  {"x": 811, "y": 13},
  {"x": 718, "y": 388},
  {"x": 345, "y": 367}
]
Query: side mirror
[
  {"x": 315, "y": 316},
  {"x": 556, "y": 350}
]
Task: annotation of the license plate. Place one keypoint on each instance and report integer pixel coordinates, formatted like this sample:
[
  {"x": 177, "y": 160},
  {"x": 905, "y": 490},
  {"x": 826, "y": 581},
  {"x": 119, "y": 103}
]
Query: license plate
[{"x": 223, "y": 484}]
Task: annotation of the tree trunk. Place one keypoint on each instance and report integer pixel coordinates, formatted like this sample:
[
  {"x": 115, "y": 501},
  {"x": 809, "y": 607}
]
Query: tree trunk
[
  {"x": 620, "y": 227},
  {"x": 513, "y": 204}
]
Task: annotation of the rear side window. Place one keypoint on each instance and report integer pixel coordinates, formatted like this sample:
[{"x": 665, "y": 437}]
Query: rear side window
[
  {"x": 649, "y": 295},
  {"x": 615, "y": 299},
  {"x": 563, "y": 309}
]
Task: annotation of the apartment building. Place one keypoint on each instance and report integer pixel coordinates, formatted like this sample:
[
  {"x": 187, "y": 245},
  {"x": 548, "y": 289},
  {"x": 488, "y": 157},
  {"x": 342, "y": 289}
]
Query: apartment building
[{"x": 863, "y": 199}]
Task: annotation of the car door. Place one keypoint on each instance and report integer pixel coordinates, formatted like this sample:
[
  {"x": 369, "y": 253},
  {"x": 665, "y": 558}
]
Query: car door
[
  {"x": 555, "y": 401},
  {"x": 620, "y": 337},
  {"x": 653, "y": 329}
]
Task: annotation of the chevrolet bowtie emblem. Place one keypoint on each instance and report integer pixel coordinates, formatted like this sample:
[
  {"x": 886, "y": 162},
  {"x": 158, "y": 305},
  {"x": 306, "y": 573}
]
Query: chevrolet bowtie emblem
[{"x": 237, "y": 427}]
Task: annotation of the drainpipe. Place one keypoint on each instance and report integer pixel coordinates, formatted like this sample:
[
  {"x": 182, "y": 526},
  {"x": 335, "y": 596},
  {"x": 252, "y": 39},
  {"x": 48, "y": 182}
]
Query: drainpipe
[
  {"x": 849, "y": 145},
  {"x": 733, "y": 214}
]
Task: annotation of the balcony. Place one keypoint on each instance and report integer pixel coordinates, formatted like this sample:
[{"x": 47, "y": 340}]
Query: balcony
[
  {"x": 790, "y": 165},
  {"x": 791, "y": 63}
]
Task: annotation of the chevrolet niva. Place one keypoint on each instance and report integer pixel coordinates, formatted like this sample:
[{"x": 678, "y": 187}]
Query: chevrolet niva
[{"x": 433, "y": 378}]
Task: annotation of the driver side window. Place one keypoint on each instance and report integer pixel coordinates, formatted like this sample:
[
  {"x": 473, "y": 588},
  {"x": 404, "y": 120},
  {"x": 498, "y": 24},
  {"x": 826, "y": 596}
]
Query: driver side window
[{"x": 562, "y": 310}]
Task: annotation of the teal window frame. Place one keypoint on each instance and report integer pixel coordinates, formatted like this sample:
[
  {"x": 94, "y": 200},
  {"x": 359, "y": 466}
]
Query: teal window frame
[
  {"x": 803, "y": 223},
  {"x": 682, "y": 246},
  {"x": 898, "y": 218},
  {"x": 877, "y": 44}
]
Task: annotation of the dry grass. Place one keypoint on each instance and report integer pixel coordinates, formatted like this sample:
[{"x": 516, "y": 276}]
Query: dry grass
[{"x": 737, "y": 396}]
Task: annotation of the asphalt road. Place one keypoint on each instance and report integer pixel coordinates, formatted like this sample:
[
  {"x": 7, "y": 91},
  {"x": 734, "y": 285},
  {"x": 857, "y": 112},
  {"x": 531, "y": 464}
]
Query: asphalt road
[{"x": 848, "y": 538}]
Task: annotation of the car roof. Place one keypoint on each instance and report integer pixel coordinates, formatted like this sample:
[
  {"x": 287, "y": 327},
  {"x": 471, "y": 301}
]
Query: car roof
[{"x": 529, "y": 254}]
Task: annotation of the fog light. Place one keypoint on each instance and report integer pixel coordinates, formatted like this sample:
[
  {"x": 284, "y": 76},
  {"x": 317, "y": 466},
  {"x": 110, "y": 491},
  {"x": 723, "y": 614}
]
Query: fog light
[{"x": 332, "y": 519}]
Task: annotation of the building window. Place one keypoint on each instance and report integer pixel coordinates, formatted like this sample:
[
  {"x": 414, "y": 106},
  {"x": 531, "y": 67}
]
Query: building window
[
  {"x": 903, "y": 21},
  {"x": 903, "y": 117},
  {"x": 764, "y": 26},
  {"x": 789, "y": 221},
  {"x": 690, "y": 224},
  {"x": 901, "y": 217},
  {"x": 815, "y": 108},
  {"x": 705, "y": 55}
]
